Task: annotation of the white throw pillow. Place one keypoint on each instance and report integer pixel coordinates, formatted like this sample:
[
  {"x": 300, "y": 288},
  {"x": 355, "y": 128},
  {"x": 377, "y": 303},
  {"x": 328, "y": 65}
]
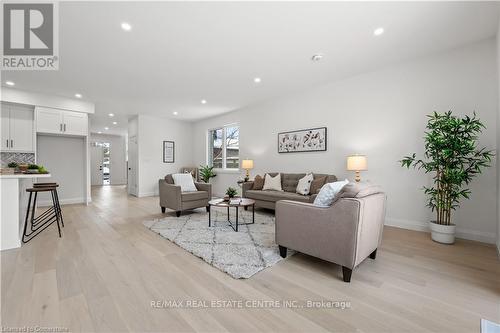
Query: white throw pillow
[
  {"x": 304, "y": 185},
  {"x": 328, "y": 192},
  {"x": 185, "y": 181},
  {"x": 272, "y": 183}
]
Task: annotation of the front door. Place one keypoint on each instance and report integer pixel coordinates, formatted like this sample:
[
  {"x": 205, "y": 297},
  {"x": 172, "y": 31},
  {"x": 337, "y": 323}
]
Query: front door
[{"x": 96, "y": 164}]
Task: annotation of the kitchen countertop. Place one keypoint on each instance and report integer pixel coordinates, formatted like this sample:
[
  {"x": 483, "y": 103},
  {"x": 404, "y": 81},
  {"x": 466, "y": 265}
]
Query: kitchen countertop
[{"x": 25, "y": 175}]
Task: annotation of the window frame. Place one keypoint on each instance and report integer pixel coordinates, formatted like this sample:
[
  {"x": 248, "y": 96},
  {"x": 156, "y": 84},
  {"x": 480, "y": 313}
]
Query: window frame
[{"x": 209, "y": 147}]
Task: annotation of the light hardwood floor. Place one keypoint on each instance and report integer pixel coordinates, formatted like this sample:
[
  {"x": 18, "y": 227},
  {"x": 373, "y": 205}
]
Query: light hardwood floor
[{"x": 105, "y": 271}]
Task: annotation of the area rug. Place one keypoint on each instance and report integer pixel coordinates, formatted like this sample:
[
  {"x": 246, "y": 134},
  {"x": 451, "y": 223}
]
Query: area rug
[{"x": 240, "y": 254}]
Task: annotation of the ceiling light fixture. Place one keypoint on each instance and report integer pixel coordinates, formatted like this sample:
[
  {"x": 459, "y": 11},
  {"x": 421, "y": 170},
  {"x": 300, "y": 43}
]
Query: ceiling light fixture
[
  {"x": 106, "y": 128},
  {"x": 317, "y": 57},
  {"x": 114, "y": 123},
  {"x": 78, "y": 95},
  {"x": 203, "y": 101},
  {"x": 257, "y": 80},
  {"x": 175, "y": 113},
  {"x": 126, "y": 26},
  {"x": 378, "y": 31},
  {"x": 10, "y": 83},
  {"x": 99, "y": 132},
  {"x": 111, "y": 114}
]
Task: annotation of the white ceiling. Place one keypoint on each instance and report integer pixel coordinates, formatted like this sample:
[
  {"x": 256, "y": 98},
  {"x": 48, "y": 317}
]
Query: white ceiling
[{"x": 179, "y": 53}]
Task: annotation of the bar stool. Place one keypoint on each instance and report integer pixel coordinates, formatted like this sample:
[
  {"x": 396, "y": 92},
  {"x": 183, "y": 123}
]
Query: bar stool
[
  {"x": 44, "y": 220},
  {"x": 55, "y": 186}
]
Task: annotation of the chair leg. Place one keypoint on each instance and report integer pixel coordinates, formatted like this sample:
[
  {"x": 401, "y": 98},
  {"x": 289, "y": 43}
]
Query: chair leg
[
  {"x": 373, "y": 255},
  {"x": 56, "y": 213},
  {"x": 282, "y": 251},
  {"x": 207, "y": 208},
  {"x": 163, "y": 209},
  {"x": 346, "y": 272},
  {"x": 178, "y": 213},
  {"x": 27, "y": 218},
  {"x": 245, "y": 207},
  {"x": 59, "y": 208}
]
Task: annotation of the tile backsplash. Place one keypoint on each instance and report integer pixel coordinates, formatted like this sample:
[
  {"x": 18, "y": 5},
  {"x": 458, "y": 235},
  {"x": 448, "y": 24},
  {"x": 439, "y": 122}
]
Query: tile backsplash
[{"x": 20, "y": 158}]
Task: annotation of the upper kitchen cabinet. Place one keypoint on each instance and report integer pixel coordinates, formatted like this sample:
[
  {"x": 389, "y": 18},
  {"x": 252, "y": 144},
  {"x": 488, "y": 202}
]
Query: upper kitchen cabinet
[
  {"x": 17, "y": 128},
  {"x": 55, "y": 121}
]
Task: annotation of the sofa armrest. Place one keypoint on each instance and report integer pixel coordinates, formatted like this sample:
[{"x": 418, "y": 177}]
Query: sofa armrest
[
  {"x": 170, "y": 195},
  {"x": 245, "y": 187},
  {"x": 204, "y": 187},
  {"x": 327, "y": 233}
]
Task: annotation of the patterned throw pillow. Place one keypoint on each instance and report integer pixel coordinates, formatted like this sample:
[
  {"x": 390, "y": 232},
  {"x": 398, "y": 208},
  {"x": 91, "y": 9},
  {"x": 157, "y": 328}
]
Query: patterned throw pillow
[
  {"x": 258, "y": 183},
  {"x": 328, "y": 192},
  {"x": 317, "y": 184},
  {"x": 272, "y": 183},
  {"x": 304, "y": 184}
]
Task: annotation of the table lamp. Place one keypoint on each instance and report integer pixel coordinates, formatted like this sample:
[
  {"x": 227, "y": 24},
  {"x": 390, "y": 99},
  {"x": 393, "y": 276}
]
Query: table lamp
[
  {"x": 247, "y": 165},
  {"x": 357, "y": 163}
]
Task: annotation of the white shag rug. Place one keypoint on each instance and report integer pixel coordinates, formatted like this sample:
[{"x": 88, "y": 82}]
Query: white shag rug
[{"x": 240, "y": 254}]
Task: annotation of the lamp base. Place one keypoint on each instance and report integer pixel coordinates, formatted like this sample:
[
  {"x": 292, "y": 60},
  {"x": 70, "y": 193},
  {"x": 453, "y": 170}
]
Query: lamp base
[{"x": 357, "y": 177}]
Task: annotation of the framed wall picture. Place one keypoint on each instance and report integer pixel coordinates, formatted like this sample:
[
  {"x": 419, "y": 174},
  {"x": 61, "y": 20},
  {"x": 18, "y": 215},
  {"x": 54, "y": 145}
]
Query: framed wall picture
[
  {"x": 308, "y": 140},
  {"x": 168, "y": 151}
]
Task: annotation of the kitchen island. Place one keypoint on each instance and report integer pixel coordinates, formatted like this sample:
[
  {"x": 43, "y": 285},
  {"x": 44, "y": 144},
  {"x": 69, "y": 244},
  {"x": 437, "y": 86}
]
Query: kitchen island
[{"x": 13, "y": 202}]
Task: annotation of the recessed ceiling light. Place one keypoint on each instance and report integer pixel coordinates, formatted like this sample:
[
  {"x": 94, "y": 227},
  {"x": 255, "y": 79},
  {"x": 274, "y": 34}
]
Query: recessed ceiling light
[
  {"x": 126, "y": 26},
  {"x": 10, "y": 83},
  {"x": 203, "y": 101},
  {"x": 78, "y": 95},
  {"x": 175, "y": 113},
  {"x": 378, "y": 31},
  {"x": 317, "y": 57},
  {"x": 257, "y": 80},
  {"x": 114, "y": 123},
  {"x": 99, "y": 132},
  {"x": 111, "y": 114},
  {"x": 106, "y": 128}
]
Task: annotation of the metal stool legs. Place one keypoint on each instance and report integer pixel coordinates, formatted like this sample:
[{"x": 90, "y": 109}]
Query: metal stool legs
[{"x": 44, "y": 220}]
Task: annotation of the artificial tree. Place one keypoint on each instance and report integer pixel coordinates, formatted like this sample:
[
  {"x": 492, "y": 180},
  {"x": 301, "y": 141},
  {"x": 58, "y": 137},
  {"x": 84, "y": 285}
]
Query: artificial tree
[
  {"x": 453, "y": 156},
  {"x": 207, "y": 172}
]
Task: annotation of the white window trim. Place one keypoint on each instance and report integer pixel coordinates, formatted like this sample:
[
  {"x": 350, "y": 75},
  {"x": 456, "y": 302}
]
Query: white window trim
[{"x": 208, "y": 144}]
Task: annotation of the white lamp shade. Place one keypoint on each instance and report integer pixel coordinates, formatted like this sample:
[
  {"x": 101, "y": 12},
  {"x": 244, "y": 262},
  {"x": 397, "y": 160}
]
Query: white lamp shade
[
  {"x": 247, "y": 164},
  {"x": 357, "y": 163}
]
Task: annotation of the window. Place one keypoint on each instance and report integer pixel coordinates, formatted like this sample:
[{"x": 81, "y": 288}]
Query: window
[{"x": 224, "y": 147}]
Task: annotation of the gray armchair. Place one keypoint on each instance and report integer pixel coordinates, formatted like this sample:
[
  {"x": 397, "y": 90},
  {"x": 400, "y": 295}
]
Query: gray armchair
[
  {"x": 172, "y": 197},
  {"x": 346, "y": 233}
]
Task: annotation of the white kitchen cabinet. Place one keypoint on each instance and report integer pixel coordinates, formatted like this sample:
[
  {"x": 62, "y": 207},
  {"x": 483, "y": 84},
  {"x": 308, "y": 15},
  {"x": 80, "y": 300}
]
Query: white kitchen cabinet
[
  {"x": 55, "y": 121},
  {"x": 17, "y": 128}
]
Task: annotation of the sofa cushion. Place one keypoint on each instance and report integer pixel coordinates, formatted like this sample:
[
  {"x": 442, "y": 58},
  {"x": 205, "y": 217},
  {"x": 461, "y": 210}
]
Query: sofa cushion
[
  {"x": 328, "y": 193},
  {"x": 169, "y": 179},
  {"x": 185, "y": 181},
  {"x": 304, "y": 185},
  {"x": 274, "y": 196},
  {"x": 316, "y": 184},
  {"x": 258, "y": 183},
  {"x": 289, "y": 181},
  {"x": 194, "y": 196},
  {"x": 272, "y": 183},
  {"x": 359, "y": 190}
]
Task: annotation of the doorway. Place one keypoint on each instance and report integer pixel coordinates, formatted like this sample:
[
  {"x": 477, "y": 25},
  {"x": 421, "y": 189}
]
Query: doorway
[{"x": 101, "y": 163}]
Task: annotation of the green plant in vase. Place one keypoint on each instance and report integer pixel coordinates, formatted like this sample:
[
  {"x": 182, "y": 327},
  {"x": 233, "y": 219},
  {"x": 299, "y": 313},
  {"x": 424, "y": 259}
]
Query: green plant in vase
[
  {"x": 13, "y": 165},
  {"x": 453, "y": 157},
  {"x": 206, "y": 172},
  {"x": 231, "y": 192}
]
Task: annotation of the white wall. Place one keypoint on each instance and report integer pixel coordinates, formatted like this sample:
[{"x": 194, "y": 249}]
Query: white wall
[
  {"x": 31, "y": 98},
  {"x": 118, "y": 156},
  {"x": 498, "y": 141},
  {"x": 64, "y": 157},
  {"x": 381, "y": 114},
  {"x": 152, "y": 131}
]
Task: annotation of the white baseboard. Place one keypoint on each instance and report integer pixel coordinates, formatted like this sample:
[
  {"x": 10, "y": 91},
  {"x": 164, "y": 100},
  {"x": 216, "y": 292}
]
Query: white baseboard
[
  {"x": 147, "y": 194},
  {"x": 480, "y": 236},
  {"x": 70, "y": 201}
]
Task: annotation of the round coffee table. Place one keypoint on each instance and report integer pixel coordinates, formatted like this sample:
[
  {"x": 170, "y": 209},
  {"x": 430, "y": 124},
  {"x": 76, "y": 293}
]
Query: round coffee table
[{"x": 244, "y": 202}]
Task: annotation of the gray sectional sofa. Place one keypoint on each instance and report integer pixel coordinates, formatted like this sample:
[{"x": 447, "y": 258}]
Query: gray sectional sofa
[{"x": 289, "y": 181}]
